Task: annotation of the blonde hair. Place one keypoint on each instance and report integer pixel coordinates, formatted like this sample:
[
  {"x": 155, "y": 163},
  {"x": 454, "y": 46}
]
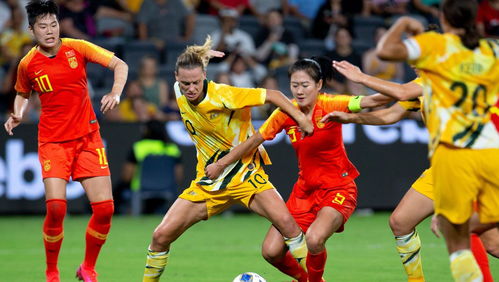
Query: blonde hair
[{"x": 195, "y": 56}]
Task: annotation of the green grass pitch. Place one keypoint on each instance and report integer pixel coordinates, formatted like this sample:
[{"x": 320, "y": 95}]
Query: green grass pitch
[{"x": 215, "y": 250}]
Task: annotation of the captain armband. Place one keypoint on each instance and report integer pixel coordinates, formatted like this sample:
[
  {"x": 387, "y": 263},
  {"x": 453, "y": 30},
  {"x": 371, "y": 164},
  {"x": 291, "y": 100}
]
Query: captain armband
[{"x": 354, "y": 104}]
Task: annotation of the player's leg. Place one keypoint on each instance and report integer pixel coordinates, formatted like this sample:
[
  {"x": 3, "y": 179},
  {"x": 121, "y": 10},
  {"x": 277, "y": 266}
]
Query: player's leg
[
  {"x": 270, "y": 205},
  {"x": 477, "y": 242},
  {"x": 181, "y": 215},
  {"x": 53, "y": 232},
  {"x": 99, "y": 193},
  {"x": 274, "y": 250},
  {"x": 328, "y": 221},
  {"x": 490, "y": 240},
  {"x": 412, "y": 209}
]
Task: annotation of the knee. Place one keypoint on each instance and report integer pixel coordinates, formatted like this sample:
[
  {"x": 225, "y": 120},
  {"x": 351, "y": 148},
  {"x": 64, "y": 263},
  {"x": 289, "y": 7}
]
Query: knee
[
  {"x": 103, "y": 211},
  {"x": 161, "y": 238},
  {"x": 270, "y": 255},
  {"x": 56, "y": 210},
  {"x": 492, "y": 247},
  {"x": 315, "y": 242},
  {"x": 397, "y": 225}
]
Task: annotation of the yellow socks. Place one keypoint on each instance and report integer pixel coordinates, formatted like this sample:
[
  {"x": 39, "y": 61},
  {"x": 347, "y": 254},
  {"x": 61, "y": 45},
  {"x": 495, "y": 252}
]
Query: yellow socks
[
  {"x": 298, "y": 248},
  {"x": 155, "y": 264},
  {"x": 408, "y": 247},
  {"x": 464, "y": 267}
]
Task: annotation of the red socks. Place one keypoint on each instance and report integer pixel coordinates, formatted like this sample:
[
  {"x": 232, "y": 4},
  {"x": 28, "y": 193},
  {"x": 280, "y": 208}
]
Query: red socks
[
  {"x": 97, "y": 230},
  {"x": 289, "y": 266},
  {"x": 481, "y": 257},
  {"x": 53, "y": 231},
  {"x": 315, "y": 266}
]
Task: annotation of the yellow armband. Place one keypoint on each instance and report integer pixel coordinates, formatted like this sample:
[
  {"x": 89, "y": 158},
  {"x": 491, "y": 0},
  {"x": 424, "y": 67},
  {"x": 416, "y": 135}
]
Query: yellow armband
[{"x": 354, "y": 104}]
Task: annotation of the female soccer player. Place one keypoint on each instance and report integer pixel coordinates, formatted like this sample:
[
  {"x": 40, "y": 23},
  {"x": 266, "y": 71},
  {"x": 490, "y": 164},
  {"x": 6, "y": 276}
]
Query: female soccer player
[
  {"x": 69, "y": 143},
  {"x": 218, "y": 117},
  {"x": 417, "y": 203},
  {"x": 325, "y": 194},
  {"x": 460, "y": 74}
]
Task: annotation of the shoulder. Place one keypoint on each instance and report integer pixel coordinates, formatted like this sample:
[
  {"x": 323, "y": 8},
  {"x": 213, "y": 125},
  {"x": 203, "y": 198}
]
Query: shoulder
[{"x": 27, "y": 58}]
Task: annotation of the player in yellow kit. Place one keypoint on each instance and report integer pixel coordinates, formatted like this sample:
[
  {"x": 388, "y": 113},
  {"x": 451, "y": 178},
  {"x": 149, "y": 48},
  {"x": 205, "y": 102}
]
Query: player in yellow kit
[
  {"x": 460, "y": 74},
  {"x": 218, "y": 117}
]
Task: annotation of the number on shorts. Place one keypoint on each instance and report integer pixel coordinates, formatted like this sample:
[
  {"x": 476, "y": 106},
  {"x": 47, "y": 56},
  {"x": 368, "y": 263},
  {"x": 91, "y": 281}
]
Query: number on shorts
[
  {"x": 258, "y": 179},
  {"x": 102, "y": 156}
]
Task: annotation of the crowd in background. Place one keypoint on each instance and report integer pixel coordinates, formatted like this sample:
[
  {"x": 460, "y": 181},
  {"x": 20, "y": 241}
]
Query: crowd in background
[{"x": 261, "y": 38}]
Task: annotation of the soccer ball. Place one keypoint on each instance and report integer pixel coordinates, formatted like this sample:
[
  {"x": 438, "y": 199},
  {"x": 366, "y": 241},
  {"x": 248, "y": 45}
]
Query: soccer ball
[{"x": 249, "y": 277}]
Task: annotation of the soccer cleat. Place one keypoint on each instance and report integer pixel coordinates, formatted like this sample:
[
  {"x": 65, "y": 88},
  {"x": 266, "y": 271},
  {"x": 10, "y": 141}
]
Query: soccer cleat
[
  {"x": 52, "y": 276},
  {"x": 85, "y": 274}
]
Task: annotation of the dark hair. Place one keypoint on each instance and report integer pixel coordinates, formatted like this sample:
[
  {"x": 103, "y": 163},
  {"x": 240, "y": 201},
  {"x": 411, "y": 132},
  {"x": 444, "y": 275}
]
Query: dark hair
[
  {"x": 38, "y": 8},
  {"x": 462, "y": 14},
  {"x": 317, "y": 67}
]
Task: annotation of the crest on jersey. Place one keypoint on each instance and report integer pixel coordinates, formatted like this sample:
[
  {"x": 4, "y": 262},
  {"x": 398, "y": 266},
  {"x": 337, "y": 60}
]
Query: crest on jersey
[
  {"x": 46, "y": 165},
  {"x": 73, "y": 63},
  {"x": 318, "y": 121}
]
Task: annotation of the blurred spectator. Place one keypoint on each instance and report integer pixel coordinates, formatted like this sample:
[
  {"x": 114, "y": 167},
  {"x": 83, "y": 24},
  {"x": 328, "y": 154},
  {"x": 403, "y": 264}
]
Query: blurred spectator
[
  {"x": 132, "y": 5},
  {"x": 264, "y": 111},
  {"x": 134, "y": 108},
  {"x": 329, "y": 17},
  {"x": 243, "y": 70},
  {"x": 305, "y": 10},
  {"x": 114, "y": 19},
  {"x": 276, "y": 44},
  {"x": 428, "y": 8},
  {"x": 488, "y": 18},
  {"x": 192, "y": 4},
  {"x": 389, "y": 8},
  {"x": 228, "y": 38},
  {"x": 77, "y": 19},
  {"x": 5, "y": 13},
  {"x": 356, "y": 7},
  {"x": 154, "y": 141},
  {"x": 162, "y": 21},
  {"x": 223, "y": 77},
  {"x": 12, "y": 40},
  {"x": 154, "y": 89},
  {"x": 241, "y": 6},
  {"x": 343, "y": 51},
  {"x": 262, "y": 7},
  {"x": 385, "y": 70}
]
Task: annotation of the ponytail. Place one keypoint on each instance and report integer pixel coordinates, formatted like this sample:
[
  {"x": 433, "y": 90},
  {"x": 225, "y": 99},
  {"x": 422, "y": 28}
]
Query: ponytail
[{"x": 195, "y": 56}]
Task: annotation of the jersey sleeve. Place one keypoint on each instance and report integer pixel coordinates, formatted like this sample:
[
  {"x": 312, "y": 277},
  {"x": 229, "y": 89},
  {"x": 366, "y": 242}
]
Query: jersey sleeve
[
  {"x": 335, "y": 103},
  {"x": 92, "y": 52},
  {"x": 273, "y": 125},
  {"x": 235, "y": 98},
  {"x": 424, "y": 49},
  {"x": 23, "y": 85}
]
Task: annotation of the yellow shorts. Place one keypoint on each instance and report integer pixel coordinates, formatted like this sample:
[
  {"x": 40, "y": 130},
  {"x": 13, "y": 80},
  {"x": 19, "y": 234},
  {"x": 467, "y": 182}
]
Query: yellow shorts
[
  {"x": 218, "y": 201},
  {"x": 424, "y": 184},
  {"x": 462, "y": 176}
]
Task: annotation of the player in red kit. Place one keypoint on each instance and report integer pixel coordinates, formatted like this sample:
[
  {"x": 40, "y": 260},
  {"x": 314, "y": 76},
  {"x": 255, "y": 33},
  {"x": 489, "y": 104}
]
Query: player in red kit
[
  {"x": 69, "y": 143},
  {"x": 325, "y": 194}
]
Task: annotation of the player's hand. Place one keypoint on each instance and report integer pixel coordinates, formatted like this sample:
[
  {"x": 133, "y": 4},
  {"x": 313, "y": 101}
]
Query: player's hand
[
  {"x": 350, "y": 71},
  {"x": 413, "y": 26},
  {"x": 434, "y": 226},
  {"x": 109, "y": 102},
  {"x": 341, "y": 117},
  {"x": 215, "y": 53},
  {"x": 12, "y": 123},
  {"x": 213, "y": 170},
  {"x": 306, "y": 126}
]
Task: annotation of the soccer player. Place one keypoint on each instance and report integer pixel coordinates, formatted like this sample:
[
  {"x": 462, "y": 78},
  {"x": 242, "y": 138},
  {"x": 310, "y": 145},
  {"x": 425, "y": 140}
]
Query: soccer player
[
  {"x": 460, "y": 73},
  {"x": 417, "y": 203},
  {"x": 218, "y": 117},
  {"x": 69, "y": 143},
  {"x": 325, "y": 194}
]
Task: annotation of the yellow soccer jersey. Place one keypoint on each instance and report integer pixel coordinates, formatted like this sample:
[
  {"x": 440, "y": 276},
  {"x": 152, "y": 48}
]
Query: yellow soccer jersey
[
  {"x": 221, "y": 121},
  {"x": 459, "y": 87}
]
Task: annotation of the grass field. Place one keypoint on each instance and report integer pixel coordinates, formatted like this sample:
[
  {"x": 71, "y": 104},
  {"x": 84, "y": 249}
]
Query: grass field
[{"x": 216, "y": 250}]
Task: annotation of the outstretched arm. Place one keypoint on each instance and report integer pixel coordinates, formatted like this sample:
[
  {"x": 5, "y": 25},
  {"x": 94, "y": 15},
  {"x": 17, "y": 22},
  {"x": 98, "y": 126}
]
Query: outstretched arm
[
  {"x": 394, "y": 90},
  {"x": 277, "y": 98},
  {"x": 380, "y": 117},
  {"x": 391, "y": 47},
  {"x": 215, "y": 169}
]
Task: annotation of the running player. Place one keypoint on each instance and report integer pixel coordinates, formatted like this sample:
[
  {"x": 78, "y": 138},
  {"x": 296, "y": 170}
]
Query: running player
[
  {"x": 460, "y": 74},
  {"x": 69, "y": 143},
  {"x": 218, "y": 117},
  {"x": 325, "y": 194},
  {"x": 417, "y": 203}
]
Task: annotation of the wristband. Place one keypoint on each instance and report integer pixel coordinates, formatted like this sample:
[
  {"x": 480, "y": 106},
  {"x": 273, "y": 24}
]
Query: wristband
[{"x": 354, "y": 104}]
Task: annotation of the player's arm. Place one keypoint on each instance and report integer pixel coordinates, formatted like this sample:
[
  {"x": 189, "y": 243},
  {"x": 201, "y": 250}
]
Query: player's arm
[
  {"x": 406, "y": 91},
  {"x": 277, "y": 98},
  {"x": 391, "y": 46},
  {"x": 20, "y": 105},
  {"x": 380, "y": 117},
  {"x": 110, "y": 100},
  {"x": 215, "y": 169}
]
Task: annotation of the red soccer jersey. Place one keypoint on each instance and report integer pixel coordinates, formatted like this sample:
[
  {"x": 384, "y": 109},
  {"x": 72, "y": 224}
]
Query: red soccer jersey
[
  {"x": 322, "y": 159},
  {"x": 61, "y": 81}
]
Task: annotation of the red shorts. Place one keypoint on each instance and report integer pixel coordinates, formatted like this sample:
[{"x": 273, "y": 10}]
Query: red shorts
[
  {"x": 342, "y": 199},
  {"x": 79, "y": 158}
]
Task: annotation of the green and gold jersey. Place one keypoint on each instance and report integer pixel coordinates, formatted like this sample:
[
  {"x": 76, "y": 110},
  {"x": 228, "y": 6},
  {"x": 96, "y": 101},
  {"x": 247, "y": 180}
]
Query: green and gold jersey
[
  {"x": 460, "y": 86},
  {"x": 221, "y": 121}
]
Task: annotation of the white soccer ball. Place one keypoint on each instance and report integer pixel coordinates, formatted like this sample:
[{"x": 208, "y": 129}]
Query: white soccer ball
[{"x": 249, "y": 277}]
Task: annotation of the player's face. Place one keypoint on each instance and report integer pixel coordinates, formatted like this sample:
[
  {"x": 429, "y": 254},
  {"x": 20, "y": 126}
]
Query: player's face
[
  {"x": 304, "y": 88},
  {"x": 191, "y": 82},
  {"x": 46, "y": 31}
]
